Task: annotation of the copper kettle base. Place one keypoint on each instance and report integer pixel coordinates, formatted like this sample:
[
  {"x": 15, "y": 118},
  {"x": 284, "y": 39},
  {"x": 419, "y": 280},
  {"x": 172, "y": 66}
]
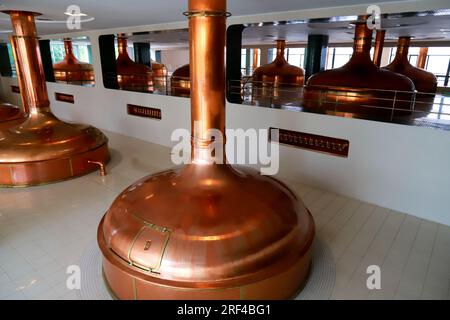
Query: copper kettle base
[
  {"x": 43, "y": 149},
  {"x": 212, "y": 232}
]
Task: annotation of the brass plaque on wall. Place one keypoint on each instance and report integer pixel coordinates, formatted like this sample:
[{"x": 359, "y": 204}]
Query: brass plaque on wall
[
  {"x": 313, "y": 142},
  {"x": 15, "y": 89},
  {"x": 64, "y": 97},
  {"x": 145, "y": 112}
]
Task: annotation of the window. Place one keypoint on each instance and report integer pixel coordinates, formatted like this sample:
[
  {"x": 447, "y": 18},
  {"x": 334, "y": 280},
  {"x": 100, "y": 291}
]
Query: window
[
  {"x": 294, "y": 56},
  {"x": 413, "y": 55},
  {"x": 247, "y": 61},
  {"x": 11, "y": 60},
  {"x": 438, "y": 62},
  {"x": 82, "y": 51}
]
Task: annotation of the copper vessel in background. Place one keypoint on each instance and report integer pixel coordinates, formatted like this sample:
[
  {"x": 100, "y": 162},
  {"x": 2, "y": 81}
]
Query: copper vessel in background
[
  {"x": 379, "y": 46},
  {"x": 206, "y": 230},
  {"x": 277, "y": 83},
  {"x": 180, "y": 84},
  {"x": 132, "y": 76},
  {"x": 360, "y": 87},
  {"x": 10, "y": 115},
  {"x": 43, "y": 149},
  {"x": 71, "y": 70},
  {"x": 422, "y": 58},
  {"x": 424, "y": 81},
  {"x": 255, "y": 58},
  {"x": 159, "y": 76}
]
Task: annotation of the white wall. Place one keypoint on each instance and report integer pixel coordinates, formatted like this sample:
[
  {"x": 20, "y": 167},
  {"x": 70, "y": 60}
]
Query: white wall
[
  {"x": 173, "y": 59},
  {"x": 404, "y": 168}
]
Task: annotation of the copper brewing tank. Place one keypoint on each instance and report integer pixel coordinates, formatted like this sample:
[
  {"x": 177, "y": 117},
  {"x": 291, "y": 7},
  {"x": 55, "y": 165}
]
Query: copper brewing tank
[
  {"x": 180, "y": 84},
  {"x": 159, "y": 75},
  {"x": 279, "y": 73},
  {"x": 206, "y": 230},
  {"x": 359, "y": 86},
  {"x": 72, "y": 71},
  {"x": 9, "y": 115},
  {"x": 43, "y": 149},
  {"x": 277, "y": 83},
  {"x": 424, "y": 81},
  {"x": 132, "y": 76}
]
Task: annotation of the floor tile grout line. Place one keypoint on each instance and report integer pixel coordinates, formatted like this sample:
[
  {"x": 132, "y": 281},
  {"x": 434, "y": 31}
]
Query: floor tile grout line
[
  {"x": 359, "y": 230},
  {"x": 429, "y": 262},
  {"x": 348, "y": 219},
  {"x": 407, "y": 259},
  {"x": 347, "y": 200}
]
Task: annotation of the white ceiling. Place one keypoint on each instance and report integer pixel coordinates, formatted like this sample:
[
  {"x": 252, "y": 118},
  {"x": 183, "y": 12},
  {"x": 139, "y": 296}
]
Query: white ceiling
[{"x": 123, "y": 13}]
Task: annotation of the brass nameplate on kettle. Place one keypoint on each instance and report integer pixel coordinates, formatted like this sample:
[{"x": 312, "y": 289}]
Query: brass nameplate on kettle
[
  {"x": 313, "y": 142},
  {"x": 15, "y": 89},
  {"x": 145, "y": 112},
  {"x": 64, "y": 97}
]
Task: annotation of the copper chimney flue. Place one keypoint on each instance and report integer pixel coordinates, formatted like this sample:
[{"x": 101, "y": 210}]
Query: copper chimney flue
[
  {"x": 43, "y": 149},
  {"x": 180, "y": 84},
  {"x": 71, "y": 70},
  {"x": 360, "y": 86},
  {"x": 132, "y": 76},
  {"x": 206, "y": 230}
]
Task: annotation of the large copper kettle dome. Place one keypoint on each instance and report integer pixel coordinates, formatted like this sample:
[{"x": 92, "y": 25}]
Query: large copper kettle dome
[
  {"x": 180, "y": 84},
  {"x": 424, "y": 81},
  {"x": 131, "y": 75},
  {"x": 71, "y": 70},
  {"x": 359, "y": 83},
  {"x": 206, "y": 230},
  {"x": 42, "y": 148},
  {"x": 279, "y": 73},
  {"x": 278, "y": 83}
]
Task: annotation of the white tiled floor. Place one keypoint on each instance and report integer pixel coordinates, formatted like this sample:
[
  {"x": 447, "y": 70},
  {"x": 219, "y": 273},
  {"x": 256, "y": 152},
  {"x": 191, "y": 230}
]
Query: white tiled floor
[{"x": 45, "y": 229}]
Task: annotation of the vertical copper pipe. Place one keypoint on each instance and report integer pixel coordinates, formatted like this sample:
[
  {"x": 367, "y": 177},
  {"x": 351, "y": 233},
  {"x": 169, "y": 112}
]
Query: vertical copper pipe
[
  {"x": 207, "y": 72},
  {"x": 68, "y": 47},
  {"x": 403, "y": 48},
  {"x": 29, "y": 57},
  {"x": 25, "y": 107},
  {"x": 422, "y": 58},
  {"x": 255, "y": 58},
  {"x": 363, "y": 39},
  {"x": 281, "y": 48},
  {"x": 379, "y": 45},
  {"x": 122, "y": 44}
]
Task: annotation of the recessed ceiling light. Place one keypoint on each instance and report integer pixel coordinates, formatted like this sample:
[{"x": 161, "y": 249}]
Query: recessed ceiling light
[{"x": 76, "y": 14}]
